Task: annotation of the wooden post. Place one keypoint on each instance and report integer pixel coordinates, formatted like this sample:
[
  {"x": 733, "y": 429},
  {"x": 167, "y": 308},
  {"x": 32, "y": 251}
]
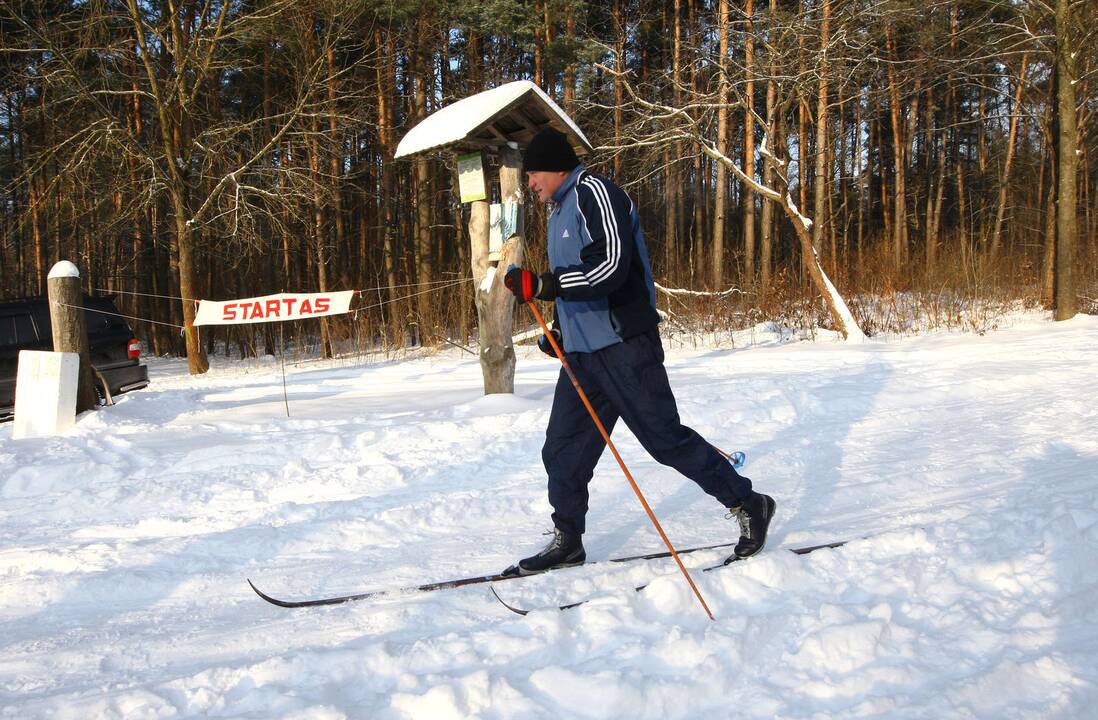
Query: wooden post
[
  {"x": 70, "y": 333},
  {"x": 495, "y": 304}
]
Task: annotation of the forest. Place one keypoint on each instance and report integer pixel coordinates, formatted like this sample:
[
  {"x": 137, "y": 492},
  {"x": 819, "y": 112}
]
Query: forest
[{"x": 946, "y": 153}]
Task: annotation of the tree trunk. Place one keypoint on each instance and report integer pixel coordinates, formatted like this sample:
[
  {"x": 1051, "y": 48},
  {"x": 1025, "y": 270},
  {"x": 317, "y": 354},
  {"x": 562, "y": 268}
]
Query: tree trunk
[
  {"x": 768, "y": 230},
  {"x": 720, "y": 189},
  {"x": 697, "y": 238},
  {"x": 70, "y": 333},
  {"x": 899, "y": 206},
  {"x": 802, "y": 122},
  {"x": 934, "y": 228},
  {"x": 36, "y": 233},
  {"x": 1048, "y": 278},
  {"x": 423, "y": 236},
  {"x": 570, "y": 68},
  {"x": 882, "y": 174},
  {"x": 321, "y": 243},
  {"x": 385, "y": 86},
  {"x": 549, "y": 75},
  {"x": 862, "y": 179},
  {"x": 539, "y": 76},
  {"x": 335, "y": 162},
  {"x": 619, "y": 67},
  {"x": 749, "y": 145},
  {"x": 1004, "y": 180},
  {"x": 958, "y": 165},
  {"x": 910, "y": 135},
  {"x": 674, "y": 174},
  {"x": 1067, "y": 165},
  {"x": 819, "y": 212},
  {"x": 197, "y": 362}
]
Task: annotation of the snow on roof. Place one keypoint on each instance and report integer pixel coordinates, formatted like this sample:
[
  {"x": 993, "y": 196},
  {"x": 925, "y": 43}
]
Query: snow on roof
[{"x": 458, "y": 121}]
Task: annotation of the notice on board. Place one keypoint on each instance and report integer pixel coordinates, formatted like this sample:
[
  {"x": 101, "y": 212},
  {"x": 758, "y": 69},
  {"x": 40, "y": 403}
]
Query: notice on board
[{"x": 471, "y": 177}]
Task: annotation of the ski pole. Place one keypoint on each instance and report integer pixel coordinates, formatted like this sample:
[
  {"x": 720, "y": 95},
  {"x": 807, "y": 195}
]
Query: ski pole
[{"x": 624, "y": 469}]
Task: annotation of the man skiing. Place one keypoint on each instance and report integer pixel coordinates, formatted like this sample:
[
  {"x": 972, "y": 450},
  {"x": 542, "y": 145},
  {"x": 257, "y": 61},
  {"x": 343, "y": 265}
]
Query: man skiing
[{"x": 606, "y": 318}]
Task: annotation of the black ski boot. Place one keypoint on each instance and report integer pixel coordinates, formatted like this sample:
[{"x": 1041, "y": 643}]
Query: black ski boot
[
  {"x": 564, "y": 550},
  {"x": 754, "y": 516}
]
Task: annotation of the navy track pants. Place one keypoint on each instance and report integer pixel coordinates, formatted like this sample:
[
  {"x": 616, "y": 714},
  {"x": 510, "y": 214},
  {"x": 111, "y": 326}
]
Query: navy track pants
[{"x": 625, "y": 380}]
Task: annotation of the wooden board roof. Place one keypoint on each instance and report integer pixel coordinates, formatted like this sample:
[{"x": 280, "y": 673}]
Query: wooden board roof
[{"x": 513, "y": 112}]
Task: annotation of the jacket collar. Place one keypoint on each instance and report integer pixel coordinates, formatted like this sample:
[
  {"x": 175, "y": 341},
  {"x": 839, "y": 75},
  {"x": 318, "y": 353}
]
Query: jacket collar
[{"x": 568, "y": 184}]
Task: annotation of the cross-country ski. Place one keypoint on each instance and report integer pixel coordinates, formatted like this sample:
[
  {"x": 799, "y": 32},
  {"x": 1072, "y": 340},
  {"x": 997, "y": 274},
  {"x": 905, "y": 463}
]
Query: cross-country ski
[{"x": 459, "y": 582}]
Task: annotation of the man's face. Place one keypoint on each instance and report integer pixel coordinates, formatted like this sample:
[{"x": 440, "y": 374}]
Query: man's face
[{"x": 545, "y": 183}]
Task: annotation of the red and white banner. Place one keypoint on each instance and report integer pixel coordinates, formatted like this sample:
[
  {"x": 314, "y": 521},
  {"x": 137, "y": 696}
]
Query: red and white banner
[{"x": 273, "y": 308}]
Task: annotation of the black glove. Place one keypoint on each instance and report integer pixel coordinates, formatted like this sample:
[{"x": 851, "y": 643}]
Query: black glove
[
  {"x": 526, "y": 286},
  {"x": 545, "y": 347}
]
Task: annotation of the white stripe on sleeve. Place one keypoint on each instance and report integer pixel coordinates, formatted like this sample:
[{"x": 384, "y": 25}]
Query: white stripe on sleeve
[{"x": 613, "y": 240}]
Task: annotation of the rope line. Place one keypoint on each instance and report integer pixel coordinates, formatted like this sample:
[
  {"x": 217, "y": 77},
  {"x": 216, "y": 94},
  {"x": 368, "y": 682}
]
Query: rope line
[
  {"x": 130, "y": 292},
  {"x": 354, "y": 312},
  {"x": 360, "y": 292},
  {"x": 128, "y": 317},
  {"x": 393, "y": 287},
  {"x": 405, "y": 297}
]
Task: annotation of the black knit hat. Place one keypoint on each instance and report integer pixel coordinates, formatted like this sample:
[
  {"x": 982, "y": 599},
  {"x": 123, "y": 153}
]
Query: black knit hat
[{"x": 549, "y": 151}]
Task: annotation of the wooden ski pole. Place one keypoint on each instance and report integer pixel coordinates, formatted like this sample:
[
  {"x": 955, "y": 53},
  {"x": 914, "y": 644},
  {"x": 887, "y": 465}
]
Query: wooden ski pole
[{"x": 610, "y": 444}]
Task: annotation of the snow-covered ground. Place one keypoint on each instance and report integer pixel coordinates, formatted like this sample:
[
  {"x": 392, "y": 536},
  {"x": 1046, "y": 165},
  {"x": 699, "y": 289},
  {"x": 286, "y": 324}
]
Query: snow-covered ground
[{"x": 969, "y": 465}]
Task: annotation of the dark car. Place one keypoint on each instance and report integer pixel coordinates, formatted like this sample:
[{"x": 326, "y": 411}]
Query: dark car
[{"x": 115, "y": 353}]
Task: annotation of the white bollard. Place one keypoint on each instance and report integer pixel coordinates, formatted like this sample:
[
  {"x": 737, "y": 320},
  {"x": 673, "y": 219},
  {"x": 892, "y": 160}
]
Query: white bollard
[{"x": 45, "y": 393}]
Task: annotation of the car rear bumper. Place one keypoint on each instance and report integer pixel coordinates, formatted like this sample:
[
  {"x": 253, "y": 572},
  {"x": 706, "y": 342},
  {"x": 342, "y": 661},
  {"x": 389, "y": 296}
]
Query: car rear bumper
[
  {"x": 7, "y": 399},
  {"x": 126, "y": 376}
]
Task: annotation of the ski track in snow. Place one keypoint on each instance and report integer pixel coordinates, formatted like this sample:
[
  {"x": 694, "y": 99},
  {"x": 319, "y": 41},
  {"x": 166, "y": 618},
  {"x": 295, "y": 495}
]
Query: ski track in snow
[{"x": 964, "y": 469}]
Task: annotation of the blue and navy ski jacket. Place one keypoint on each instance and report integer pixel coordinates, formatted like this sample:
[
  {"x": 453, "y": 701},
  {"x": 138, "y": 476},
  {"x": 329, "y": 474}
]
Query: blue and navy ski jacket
[{"x": 597, "y": 253}]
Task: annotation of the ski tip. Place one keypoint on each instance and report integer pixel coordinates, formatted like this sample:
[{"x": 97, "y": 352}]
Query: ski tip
[
  {"x": 512, "y": 608},
  {"x": 268, "y": 598},
  {"x": 257, "y": 591}
]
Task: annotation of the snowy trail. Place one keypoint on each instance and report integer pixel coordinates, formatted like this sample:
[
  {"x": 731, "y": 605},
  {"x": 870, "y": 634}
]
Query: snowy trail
[{"x": 970, "y": 462}]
